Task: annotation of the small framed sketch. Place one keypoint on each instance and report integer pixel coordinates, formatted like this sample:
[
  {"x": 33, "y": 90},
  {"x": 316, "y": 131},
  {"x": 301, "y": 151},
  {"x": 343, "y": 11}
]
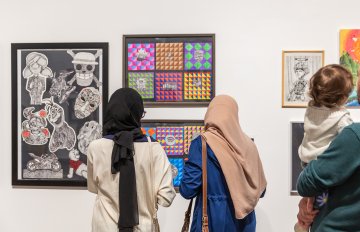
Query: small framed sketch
[
  {"x": 175, "y": 136},
  {"x": 297, "y": 134},
  {"x": 297, "y": 69},
  {"x": 170, "y": 70},
  {"x": 59, "y": 92},
  {"x": 350, "y": 58}
]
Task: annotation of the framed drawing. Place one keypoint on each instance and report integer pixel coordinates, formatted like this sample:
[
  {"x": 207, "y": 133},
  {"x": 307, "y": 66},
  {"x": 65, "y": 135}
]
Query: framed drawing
[
  {"x": 175, "y": 136},
  {"x": 297, "y": 134},
  {"x": 350, "y": 58},
  {"x": 59, "y": 92},
  {"x": 170, "y": 70},
  {"x": 297, "y": 69}
]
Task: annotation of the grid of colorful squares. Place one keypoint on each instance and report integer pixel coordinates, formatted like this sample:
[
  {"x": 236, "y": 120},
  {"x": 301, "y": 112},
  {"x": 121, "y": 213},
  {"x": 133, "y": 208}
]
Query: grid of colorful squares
[
  {"x": 176, "y": 141},
  {"x": 171, "y": 72}
]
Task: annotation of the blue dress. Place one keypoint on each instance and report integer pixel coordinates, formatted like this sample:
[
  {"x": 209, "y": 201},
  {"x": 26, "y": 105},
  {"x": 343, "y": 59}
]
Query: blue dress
[{"x": 220, "y": 208}]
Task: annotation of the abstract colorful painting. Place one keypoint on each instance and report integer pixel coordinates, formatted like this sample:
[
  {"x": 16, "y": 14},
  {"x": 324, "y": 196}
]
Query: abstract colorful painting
[
  {"x": 170, "y": 70},
  {"x": 172, "y": 139},
  {"x": 198, "y": 56},
  {"x": 178, "y": 163},
  {"x": 175, "y": 136},
  {"x": 169, "y": 56},
  {"x": 143, "y": 82},
  {"x": 169, "y": 86},
  {"x": 149, "y": 131},
  {"x": 141, "y": 56},
  {"x": 350, "y": 58},
  {"x": 197, "y": 85},
  {"x": 190, "y": 133}
]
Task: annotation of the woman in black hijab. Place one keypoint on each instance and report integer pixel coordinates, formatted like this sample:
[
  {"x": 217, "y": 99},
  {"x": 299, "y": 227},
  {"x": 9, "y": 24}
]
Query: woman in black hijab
[{"x": 125, "y": 149}]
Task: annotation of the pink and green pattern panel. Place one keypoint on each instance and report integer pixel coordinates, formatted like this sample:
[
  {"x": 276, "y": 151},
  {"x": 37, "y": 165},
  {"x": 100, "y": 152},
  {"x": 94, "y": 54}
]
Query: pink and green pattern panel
[
  {"x": 143, "y": 82},
  {"x": 198, "y": 56},
  {"x": 171, "y": 139},
  {"x": 141, "y": 56},
  {"x": 149, "y": 131},
  {"x": 169, "y": 86},
  {"x": 179, "y": 164}
]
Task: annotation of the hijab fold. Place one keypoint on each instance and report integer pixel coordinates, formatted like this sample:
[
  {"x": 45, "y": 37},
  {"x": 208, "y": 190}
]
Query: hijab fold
[
  {"x": 236, "y": 153},
  {"x": 122, "y": 121}
]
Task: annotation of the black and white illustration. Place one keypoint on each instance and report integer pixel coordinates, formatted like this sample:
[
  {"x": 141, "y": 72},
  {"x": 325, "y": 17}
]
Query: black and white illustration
[
  {"x": 84, "y": 65},
  {"x": 298, "y": 68},
  {"x": 36, "y": 72},
  {"x": 91, "y": 130},
  {"x": 87, "y": 102},
  {"x": 46, "y": 166},
  {"x": 60, "y": 91},
  {"x": 63, "y": 136},
  {"x": 59, "y": 87},
  {"x": 34, "y": 129}
]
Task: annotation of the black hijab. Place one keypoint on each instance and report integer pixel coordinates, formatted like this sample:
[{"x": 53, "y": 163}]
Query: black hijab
[{"x": 122, "y": 120}]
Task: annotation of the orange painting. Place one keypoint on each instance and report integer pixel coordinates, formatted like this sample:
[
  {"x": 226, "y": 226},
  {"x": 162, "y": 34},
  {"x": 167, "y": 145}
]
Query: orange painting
[{"x": 350, "y": 58}]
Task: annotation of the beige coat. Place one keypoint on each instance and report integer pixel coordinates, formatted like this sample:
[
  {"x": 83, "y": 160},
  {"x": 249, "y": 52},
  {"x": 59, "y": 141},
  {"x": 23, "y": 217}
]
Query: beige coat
[{"x": 106, "y": 185}]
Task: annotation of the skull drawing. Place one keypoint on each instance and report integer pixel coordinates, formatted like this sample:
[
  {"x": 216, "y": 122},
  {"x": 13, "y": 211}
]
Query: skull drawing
[
  {"x": 87, "y": 102},
  {"x": 36, "y": 72},
  {"x": 89, "y": 132},
  {"x": 84, "y": 65},
  {"x": 34, "y": 131}
]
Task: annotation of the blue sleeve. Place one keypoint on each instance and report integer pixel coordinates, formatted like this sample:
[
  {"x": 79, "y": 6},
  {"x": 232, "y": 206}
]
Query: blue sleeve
[
  {"x": 191, "y": 181},
  {"x": 333, "y": 167}
]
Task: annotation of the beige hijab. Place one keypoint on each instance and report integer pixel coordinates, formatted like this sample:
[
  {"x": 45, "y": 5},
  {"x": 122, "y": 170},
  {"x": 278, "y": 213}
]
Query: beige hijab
[{"x": 236, "y": 153}]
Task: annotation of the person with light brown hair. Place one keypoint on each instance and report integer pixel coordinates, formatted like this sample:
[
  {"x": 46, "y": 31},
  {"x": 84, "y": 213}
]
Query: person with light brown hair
[{"x": 325, "y": 118}]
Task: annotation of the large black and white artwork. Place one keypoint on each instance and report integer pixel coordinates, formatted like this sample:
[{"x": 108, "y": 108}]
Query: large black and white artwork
[
  {"x": 298, "y": 68},
  {"x": 59, "y": 92}
]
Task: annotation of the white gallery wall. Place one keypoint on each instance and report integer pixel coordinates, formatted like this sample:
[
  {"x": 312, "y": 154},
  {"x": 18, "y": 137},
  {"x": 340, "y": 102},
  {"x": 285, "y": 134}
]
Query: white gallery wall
[{"x": 250, "y": 36}]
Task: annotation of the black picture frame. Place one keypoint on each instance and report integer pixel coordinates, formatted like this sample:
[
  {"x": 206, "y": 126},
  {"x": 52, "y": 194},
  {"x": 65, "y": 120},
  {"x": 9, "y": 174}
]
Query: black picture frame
[
  {"x": 47, "y": 80},
  {"x": 158, "y": 68},
  {"x": 183, "y": 130},
  {"x": 297, "y": 135}
]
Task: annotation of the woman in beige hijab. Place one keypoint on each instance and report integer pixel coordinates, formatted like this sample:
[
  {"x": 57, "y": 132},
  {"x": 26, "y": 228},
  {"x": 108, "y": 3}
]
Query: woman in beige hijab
[{"x": 235, "y": 179}]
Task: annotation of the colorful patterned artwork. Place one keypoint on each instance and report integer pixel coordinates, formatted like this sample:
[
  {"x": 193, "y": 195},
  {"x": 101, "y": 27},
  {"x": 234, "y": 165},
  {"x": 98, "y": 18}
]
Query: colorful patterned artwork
[
  {"x": 175, "y": 137},
  {"x": 198, "y": 56},
  {"x": 169, "y": 56},
  {"x": 190, "y": 133},
  {"x": 171, "y": 70},
  {"x": 141, "y": 56},
  {"x": 168, "y": 87},
  {"x": 172, "y": 139},
  {"x": 350, "y": 58},
  {"x": 149, "y": 131},
  {"x": 143, "y": 82},
  {"x": 197, "y": 85},
  {"x": 178, "y": 163}
]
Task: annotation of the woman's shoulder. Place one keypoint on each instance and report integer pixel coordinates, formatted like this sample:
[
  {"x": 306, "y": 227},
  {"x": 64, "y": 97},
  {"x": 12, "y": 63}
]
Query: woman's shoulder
[{"x": 99, "y": 143}]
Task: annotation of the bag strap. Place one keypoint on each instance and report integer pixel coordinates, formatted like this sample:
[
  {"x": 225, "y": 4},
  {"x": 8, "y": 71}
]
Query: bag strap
[
  {"x": 205, "y": 221},
  {"x": 186, "y": 225}
]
